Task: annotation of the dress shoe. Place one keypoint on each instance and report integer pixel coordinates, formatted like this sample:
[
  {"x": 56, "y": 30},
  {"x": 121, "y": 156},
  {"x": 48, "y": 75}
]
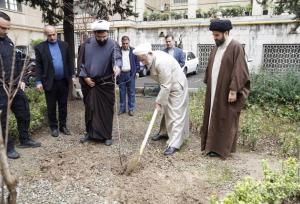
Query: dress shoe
[
  {"x": 85, "y": 138},
  {"x": 130, "y": 113},
  {"x": 159, "y": 137},
  {"x": 29, "y": 144},
  {"x": 213, "y": 154},
  {"x": 121, "y": 112},
  {"x": 54, "y": 133},
  {"x": 65, "y": 131},
  {"x": 13, "y": 154},
  {"x": 108, "y": 142},
  {"x": 170, "y": 151}
]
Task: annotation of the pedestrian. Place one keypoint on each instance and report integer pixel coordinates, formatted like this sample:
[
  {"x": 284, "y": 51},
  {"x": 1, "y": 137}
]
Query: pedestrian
[
  {"x": 173, "y": 96},
  {"x": 54, "y": 72},
  {"x": 228, "y": 86},
  {"x": 100, "y": 62},
  {"x": 178, "y": 54},
  {"x": 127, "y": 77},
  {"x": 20, "y": 105}
]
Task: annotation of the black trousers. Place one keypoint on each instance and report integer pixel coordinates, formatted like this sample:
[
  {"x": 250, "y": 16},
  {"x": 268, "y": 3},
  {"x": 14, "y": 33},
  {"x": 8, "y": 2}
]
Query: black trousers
[
  {"x": 20, "y": 108},
  {"x": 57, "y": 95}
]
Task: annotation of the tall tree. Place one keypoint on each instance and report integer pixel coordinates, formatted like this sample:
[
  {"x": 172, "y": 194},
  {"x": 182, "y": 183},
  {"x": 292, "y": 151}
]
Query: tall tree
[{"x": 281, "y": 6}]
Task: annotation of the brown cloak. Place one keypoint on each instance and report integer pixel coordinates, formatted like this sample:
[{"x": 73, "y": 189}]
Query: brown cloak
[{"x": 222, "y": 134}]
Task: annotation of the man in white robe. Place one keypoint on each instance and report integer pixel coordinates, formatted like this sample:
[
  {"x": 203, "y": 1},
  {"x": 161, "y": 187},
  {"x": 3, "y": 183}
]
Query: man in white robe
[{"x": 173, "y": 96}]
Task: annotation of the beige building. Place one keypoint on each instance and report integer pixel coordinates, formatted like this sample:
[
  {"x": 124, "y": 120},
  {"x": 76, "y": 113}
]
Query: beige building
[{"x": 26, "y": 22}]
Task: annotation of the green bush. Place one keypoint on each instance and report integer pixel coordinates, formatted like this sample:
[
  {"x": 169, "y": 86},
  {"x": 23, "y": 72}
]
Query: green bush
[
  {"x": 275, "y": 187},
  {"x": 38, "y": 110},
  {"x": 164, "y": 16},
  {"x": 251, "y": 127},
  {"x": 196, "y": 102},
  {"x": 154, "y": 16},
  {"x": 272, "y": 90}
]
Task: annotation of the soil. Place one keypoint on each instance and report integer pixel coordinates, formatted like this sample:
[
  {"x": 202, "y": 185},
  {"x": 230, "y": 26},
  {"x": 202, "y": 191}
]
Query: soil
[{"x": 65, "y": 171}]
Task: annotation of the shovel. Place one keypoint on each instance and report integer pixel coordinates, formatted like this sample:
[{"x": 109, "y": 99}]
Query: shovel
[{"x": 134, "y": 162}]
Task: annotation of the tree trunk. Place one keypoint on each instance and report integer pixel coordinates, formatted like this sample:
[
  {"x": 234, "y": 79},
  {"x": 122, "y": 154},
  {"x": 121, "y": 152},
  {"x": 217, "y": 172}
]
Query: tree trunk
[
  {"x": 9, "y": 179},
  {"x": 68, "y": 26}
]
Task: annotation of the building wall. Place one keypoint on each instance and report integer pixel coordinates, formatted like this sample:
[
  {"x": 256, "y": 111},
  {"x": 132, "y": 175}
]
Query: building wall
[
  {"x": 26, "y": 25},
  {"x": 254, "y": 32}
]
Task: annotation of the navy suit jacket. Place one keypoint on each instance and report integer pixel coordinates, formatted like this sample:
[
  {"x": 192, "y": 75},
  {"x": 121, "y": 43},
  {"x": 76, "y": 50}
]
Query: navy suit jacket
[
  {"x": 134, "y": 63},
  {"x": 178, "y": 55}
]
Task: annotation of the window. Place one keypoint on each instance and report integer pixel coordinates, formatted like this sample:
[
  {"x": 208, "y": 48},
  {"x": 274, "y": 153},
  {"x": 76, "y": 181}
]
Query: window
[
  {"x": 180, "y": 1},
  {"x": 11, "y": 5},
  {"x": 190, "y": 56}
]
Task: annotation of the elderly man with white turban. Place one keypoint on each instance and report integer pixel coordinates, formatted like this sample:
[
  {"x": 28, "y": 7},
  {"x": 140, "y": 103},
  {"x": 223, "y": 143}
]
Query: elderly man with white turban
[
  {"x": 100, "y": 59},
  {"x": 173, "y": 96}
]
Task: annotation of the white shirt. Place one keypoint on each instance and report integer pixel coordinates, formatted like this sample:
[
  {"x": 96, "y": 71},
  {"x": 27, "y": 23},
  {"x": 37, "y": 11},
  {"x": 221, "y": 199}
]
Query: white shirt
[
  {"x": 126, "y": 61},
  {"x": 171, "y": 51},
  {"x": 216, "y": 69}
]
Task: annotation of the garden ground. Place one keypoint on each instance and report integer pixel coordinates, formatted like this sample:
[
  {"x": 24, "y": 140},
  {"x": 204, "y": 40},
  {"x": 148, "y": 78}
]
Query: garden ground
[{"x": 66, "y": 171}]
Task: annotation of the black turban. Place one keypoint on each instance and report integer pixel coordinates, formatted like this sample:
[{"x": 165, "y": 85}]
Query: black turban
[{"x": 220, "y": 25}]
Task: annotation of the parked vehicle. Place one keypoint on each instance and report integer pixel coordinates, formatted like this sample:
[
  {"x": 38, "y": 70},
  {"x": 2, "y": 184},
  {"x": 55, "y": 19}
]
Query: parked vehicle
[
  {"x": 143, "y": 71},
  {"x": 191, "y": 63}
]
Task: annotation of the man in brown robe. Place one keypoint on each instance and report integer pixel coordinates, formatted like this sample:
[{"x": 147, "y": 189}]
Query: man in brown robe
[{"x": 228, "y": 86}]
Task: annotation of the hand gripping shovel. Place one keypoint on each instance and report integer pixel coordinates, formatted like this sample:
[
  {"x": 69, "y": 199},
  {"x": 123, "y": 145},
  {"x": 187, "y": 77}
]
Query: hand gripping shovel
[{"x": 134, "y": 162}]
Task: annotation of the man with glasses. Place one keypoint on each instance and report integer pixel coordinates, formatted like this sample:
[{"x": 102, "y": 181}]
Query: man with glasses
[{"x": 100, "y": 61}]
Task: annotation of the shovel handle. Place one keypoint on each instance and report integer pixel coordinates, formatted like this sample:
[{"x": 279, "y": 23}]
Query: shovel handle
[{"x": 148, "y": 131}]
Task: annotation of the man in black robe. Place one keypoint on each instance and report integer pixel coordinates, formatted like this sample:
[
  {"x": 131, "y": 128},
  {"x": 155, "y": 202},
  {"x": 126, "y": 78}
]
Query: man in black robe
[{"x": 100, "y": 60}]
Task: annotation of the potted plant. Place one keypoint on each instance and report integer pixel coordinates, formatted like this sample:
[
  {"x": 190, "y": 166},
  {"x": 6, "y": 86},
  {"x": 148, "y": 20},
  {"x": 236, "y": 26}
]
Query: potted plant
[
  {"x": 198, "y": 13},
  {"x": 248, "y": 10},
  {"x": 145, "y": 16}
]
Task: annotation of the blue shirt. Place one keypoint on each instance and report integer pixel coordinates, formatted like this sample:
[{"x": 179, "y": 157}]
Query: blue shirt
[{"x": 57, "y": 60}]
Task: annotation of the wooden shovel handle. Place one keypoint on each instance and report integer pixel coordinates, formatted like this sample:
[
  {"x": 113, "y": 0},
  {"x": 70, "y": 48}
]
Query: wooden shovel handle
[{"x": 148, "y": 131}]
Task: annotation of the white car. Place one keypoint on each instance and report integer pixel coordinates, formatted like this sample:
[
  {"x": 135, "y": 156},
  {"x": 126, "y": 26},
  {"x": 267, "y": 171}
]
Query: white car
[{"x": 191, "y": 63}]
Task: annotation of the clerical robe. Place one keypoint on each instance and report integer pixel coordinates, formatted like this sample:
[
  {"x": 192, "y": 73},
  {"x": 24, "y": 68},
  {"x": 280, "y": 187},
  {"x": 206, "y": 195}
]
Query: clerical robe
[
  {"x": 227, "y": 70},
  {"x": 173, "y": 96}
]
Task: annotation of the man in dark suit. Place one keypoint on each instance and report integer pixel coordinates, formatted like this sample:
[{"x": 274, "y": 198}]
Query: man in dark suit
[
  {"x": 127, "y": 77},
  {"x": 54, "y": 71},
  {"x": 20, "y": 105},
  {"x": 176, "y": 52}
]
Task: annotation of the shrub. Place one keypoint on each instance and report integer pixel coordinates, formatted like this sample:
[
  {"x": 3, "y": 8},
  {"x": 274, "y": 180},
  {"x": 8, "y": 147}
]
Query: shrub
[
  {"x": 38, "y": 109},
  {"x": 196, "y": 109},
  {"x": 164, "y": 16},
  {"x": 274, "y": 187},
  {"x": 154, "y": 16}
]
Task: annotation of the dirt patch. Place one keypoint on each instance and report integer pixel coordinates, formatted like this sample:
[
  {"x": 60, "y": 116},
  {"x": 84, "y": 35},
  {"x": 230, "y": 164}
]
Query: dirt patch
[{"x": 66, "y": 171}]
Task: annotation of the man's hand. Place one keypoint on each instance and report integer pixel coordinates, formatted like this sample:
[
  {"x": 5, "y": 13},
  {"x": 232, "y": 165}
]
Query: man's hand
[
  {"x": 117, "y": 71},
  {"x": 232, "y": 96},
  {"x": 158, "y": 106},
  {"x": 22, "y": 86},
  {"x": 39, "y": 87},
  {"x": 89, "y": 81}
]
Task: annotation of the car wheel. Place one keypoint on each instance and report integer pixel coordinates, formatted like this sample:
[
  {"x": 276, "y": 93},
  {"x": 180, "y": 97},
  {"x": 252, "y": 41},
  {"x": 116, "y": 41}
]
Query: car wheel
[
  {"x": 185, "y": 71},
  {"x": 143, "y": 72}
]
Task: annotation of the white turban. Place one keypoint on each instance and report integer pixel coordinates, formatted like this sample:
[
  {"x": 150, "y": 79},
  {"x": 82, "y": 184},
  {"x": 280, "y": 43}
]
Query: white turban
[
  {"x": 143, "y": 49},
  {"x": 100, "y": 25}
]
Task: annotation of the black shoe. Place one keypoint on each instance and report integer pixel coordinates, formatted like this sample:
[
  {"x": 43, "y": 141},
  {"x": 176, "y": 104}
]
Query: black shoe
[
  {"x": 170, "y": 151},
  {"x": 13, "y": 154},
  {"x": 130, "y": 113},
  {"x": 29, "y": 144},
  {"x": 85, "y": 139},
  {"x": 54, "y": 132},
  {"x": 213, "y": 154},
  {"x": 108, "y": 142},
  {"x": 65, "y": 131},
  {"x": 121, "y": 112},
  {"x": 160, "y": 137}
]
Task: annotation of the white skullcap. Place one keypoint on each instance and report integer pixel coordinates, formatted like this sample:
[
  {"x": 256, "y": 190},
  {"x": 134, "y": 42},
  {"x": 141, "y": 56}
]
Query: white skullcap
[
  {"x": 100, "y": 25},
  {"x": 142, "y": 49}
]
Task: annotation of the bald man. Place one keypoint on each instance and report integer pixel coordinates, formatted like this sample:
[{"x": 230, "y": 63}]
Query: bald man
[{"x": 54, "y": 71}]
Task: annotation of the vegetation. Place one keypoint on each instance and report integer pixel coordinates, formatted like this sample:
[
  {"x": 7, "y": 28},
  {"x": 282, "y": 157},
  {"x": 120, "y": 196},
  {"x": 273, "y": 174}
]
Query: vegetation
[
  {"x": 275, "y": 187},
  {"x": 38, "y": 109}
]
